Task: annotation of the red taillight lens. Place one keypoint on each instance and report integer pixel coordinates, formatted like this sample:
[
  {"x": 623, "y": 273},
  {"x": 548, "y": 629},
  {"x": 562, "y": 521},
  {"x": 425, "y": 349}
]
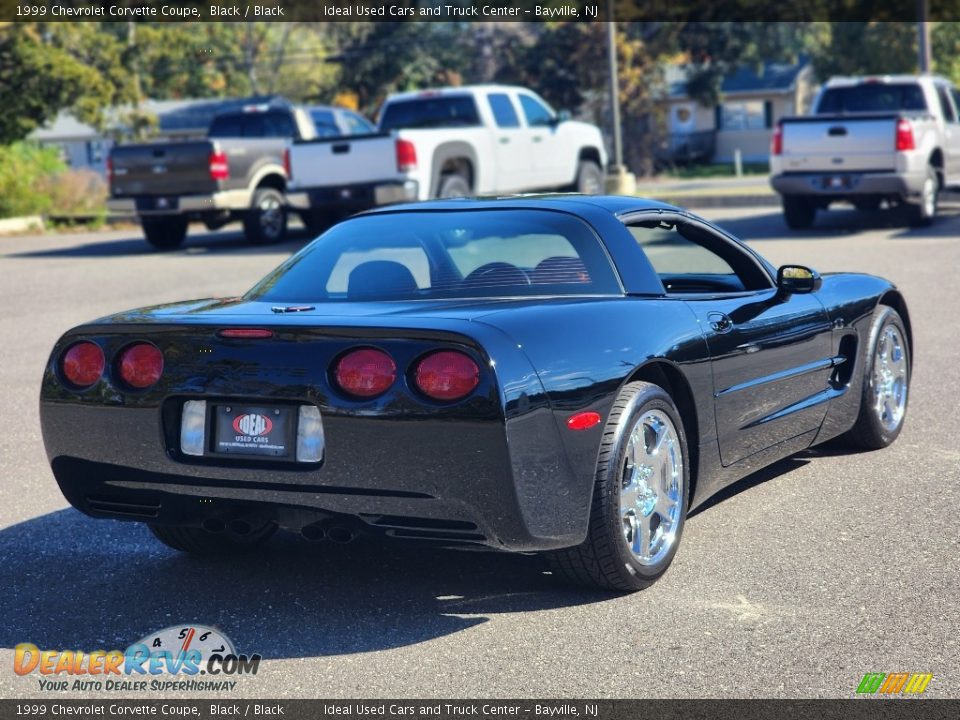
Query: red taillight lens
[
  {"x": 82, "y": 364},
  {"x": 219, "y": 167},
  {"x": 776, "y": 141},
  {"x": 365, "y": 373},
  {"x": 406, "y": 156},
  {"x": 245, "y": 333},
  {"x": 905, "y": 139},
  {"x": 286, "y": 163},
  {"x": 141, "y": 365},
  {"x": 447, "y": 375}
]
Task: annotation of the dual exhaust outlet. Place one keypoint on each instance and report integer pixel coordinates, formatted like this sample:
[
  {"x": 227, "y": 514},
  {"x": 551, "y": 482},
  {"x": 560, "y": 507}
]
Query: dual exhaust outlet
[{"x": 332, "y": 530}]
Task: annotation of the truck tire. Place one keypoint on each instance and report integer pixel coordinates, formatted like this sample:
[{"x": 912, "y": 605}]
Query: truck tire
[
  {"x": 589, "y": 178},
  {"x": 798, "y": 212},
  {"x": 164, "y": 233},
  {"x": 266, "y": 220},
  {"x": 921, "y": 214},
  {"x": 454, "y": 185}
]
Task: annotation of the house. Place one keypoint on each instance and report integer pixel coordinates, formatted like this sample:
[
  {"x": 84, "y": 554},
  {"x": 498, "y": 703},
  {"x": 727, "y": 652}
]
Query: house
[{"x": 751, "y": 102}]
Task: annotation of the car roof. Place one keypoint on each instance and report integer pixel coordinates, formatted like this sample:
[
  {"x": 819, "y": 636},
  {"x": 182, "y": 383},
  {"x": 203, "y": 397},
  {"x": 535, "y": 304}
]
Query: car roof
[{"x": 574, "y": 203}]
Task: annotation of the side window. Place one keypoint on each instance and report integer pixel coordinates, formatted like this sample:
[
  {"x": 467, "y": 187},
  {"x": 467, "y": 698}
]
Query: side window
[
  {"x": 955, "y": 94},
  {"x": 536, "y": 113},
  {"x": 690, "y": 259},
  {"x": 945, "y": 105},
  {"x": 278, "y": 125},
  {"x": 503, "y": 112},
  {"x": 324, "y": 123},
  {"x": 357, "y": 125}
]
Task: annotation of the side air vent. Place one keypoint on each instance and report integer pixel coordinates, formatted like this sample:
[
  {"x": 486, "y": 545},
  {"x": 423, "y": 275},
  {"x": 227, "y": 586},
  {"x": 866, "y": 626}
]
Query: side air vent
[
  {"x": 848, "y": 354},
  {"x": 120, "y": 508}
]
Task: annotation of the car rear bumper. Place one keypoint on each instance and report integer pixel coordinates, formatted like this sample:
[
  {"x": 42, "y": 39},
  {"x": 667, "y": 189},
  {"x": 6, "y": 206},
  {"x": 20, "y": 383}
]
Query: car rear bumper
[
  {"x": 353, "y": 197},
  {"x": 180, "y": 205},
  {"x": 850, "y": 184}
]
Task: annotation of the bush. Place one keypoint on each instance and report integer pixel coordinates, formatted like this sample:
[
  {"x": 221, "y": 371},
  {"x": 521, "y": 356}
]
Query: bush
[
  {"x": 26, "y": 170},
  {"x": 75, "y": 192}
]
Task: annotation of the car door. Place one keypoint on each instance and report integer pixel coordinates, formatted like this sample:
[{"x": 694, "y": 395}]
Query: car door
[
  {"x": 951, "y": 133},
  {"x": 512, "y": 150},
  {"x": 771, "y": 354},
  {"x": 545, "y": 142}
]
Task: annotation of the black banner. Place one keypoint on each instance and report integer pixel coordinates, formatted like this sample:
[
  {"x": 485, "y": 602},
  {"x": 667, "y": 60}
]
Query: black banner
[{"x": 213, "y": 709}]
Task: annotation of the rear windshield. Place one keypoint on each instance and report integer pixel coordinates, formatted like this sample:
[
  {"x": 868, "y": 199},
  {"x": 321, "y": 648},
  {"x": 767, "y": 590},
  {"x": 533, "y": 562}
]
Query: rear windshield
[
  {"x": 872, "y": 97},
  {"x": 430, "y": 112},
  {"x": 429, "y": 255},
  {"x": 253, "y": 125}
]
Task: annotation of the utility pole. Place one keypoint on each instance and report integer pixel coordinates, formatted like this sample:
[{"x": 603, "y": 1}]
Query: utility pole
[
  {"x": 923, "y": 36},
  {"x": 619, "y": 181}
]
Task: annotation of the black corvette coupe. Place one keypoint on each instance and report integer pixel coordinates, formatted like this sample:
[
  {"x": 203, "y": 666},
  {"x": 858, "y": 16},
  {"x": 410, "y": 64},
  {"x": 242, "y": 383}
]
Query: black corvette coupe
[{"x": 564, "y": 374}]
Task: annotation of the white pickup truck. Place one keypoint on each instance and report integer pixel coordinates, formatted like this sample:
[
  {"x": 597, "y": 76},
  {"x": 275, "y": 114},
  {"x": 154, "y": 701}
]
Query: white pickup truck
[
  {"x": 449, "y": 142},
  {"x": 894, "y": 138}
]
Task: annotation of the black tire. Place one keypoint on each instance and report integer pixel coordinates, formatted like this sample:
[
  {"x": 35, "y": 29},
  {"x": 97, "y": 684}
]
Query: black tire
[
  {"x": 590, "y": 180},
  {"x": 798, "y": 212},
  {"x": 164, "y": 233},
  {"x": 604, "y": 559},
  {"x": 869, "y": 433},
  {"x": 200, "y": 542},
  {"x": 454, "y": 185},
  {"x": 923, "y": 213},
  {"x": 265, "y": 222}
]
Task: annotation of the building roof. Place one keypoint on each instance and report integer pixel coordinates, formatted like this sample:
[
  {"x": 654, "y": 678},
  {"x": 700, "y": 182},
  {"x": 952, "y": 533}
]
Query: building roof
[{"x": 773, "y": 77}]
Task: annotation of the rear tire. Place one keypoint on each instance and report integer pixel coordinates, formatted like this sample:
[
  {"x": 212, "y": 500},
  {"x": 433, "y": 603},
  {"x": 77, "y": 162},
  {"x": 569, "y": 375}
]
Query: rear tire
[
  {"x": 200, "y": 542},
  {"x": 922, "y": 214},
  {"x": 164, "y": 233},
  {"x": 454, "y": 185},
  {"x": 589, "y": 178},
  {"x": 265, "y": 222},
  {"x": 798, "y": 212},
  {"x": 639, "y": 496}
]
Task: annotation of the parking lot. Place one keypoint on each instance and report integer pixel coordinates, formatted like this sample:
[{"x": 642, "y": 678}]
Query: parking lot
[{"x": 793, "y": 583}]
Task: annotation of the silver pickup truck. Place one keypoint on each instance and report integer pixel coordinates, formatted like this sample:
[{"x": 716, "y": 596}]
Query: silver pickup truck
[{"x": 870, "y": 140}]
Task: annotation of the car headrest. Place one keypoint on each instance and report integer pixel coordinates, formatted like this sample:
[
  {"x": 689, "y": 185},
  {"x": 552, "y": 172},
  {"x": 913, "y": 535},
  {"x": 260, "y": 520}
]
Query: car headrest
[
  {"x": 560, "y": 271},
  {"x": 380, "y": 278}
]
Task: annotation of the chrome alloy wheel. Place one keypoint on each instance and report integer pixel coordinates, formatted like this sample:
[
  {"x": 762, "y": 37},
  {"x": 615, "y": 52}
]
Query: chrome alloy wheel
[
  {"x": 889, "y": 380},
  {"x": 271, "y": 216},
  {"x": 651, "y": 494}
]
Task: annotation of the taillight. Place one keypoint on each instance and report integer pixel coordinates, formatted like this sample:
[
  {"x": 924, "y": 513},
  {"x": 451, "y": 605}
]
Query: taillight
[
  {"x": 365, "y": 373},
  {"x": 109, "y": 170},
  {"x": 406, "y": 156},
  {"x": 286, "y": 163},
  {"x": 447, "y": 375},
  {"x": 776, "y": 140},
  {"x": 82, "y": 364},
  {"x": 245, "y": 333},
  {"x": 141, "y": 365},
  {"x": 905, "y": 139},
  {"x": 219, "y": 168}
]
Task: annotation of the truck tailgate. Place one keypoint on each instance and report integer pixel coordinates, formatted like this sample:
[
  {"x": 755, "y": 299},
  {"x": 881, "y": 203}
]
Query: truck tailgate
[
  {"x": 181, "y": 168},
  {"x": 343, "y": 161},
  {"x": 840, "y": 144}
]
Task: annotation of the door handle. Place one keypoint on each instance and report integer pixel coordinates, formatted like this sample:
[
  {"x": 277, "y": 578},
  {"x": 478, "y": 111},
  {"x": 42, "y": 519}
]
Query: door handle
[
  {"x": 504, "y": 141},
  {"x": 341, "y": 148},
  {"x": 538, "y": 138},
  {"x": 720, "y": 323}
]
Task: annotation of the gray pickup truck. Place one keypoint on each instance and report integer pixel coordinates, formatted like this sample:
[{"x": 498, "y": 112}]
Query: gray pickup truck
[
  {"x": 870, "y": 140},
  {"x": 238, "y": 172}
]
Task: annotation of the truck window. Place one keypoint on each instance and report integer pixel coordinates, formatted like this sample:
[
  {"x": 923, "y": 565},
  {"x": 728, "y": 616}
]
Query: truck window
[
  {"x": 325, "y": 123},
  {"x": 502, "y": 108},
  {"x": 872, "y": 97},
  {"x": 253, "y": 125},
  {"x": 443, "y": 111},
  {"x": 357, "y": 124},
  {"x": 946, "y": 107},
  {"x": 536, "y": 113}
]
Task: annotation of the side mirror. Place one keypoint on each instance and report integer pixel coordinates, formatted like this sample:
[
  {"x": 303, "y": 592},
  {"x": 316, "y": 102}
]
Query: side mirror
[
  {"x": 797, "y": 280},
  {"x": 562, "y": 116}
]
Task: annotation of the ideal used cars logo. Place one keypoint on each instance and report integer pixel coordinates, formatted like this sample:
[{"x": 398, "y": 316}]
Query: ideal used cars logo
[
  {"x": 253, "y": 424},
  {"x": 184, "y": 652}
]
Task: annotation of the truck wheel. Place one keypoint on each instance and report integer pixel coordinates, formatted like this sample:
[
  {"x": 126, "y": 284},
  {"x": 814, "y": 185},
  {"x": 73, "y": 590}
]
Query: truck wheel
[
  {"x": 640, "y": 497},
  {"x": 589, "y": 178},
  {"x": 202, "y": 542},
  {"x": 454, "y": 185},
  {"x": 922, "y": 213},
  {"x": 266, "y": 220},
  {"x": 798, "y": 212},
  {"x": 164, "y": 233}
]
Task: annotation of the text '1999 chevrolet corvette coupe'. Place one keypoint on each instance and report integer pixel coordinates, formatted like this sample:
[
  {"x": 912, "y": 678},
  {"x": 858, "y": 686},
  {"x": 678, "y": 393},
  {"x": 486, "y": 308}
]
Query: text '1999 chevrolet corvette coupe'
[{"x": 564, "y": 374}]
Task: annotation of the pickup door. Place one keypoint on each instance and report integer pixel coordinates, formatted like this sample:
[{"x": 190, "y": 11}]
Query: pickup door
[
  {"x": 840, "y": 143},
  {"x": 338, "y": 161},
  {"x": 162, "y": 169}
]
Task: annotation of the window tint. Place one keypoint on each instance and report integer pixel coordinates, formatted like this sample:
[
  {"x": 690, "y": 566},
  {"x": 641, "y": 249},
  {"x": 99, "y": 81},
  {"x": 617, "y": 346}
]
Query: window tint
[
  {"x": 253, "y": 125},
  {"x": 325, "y": 123},
  {"x": 226, "y": 126},
  {"x": 503, "y": 112},
  {"x": 278, "y": 125},
  {"x": 955, "y": 94},
  {"x": 418, "y": 255},
  {"x": 430, "y": 112},
  {"x": 536, "y": 113},
  {"x": 357, "y": 124},
  {"x": 690, "y": 259},
  {"x": 946, "y": 107},
  {"x": 872, "y": 97}
]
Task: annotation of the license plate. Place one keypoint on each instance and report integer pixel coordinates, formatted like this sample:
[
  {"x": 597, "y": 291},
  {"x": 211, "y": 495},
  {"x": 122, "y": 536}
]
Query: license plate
[
  {"x": 157, "y": 203},
  {"x": 836, "y": 182},
  {"x": 255, "y": 430}
]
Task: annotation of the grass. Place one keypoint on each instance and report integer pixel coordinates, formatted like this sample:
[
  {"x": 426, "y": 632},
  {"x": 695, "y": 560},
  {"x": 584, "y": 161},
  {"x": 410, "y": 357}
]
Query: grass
[{"x": 718, "y": 170}]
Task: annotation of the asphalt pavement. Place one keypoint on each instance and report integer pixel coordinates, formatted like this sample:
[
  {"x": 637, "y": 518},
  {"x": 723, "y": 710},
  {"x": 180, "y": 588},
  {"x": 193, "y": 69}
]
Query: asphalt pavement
[{"x": 793, "y": 583}]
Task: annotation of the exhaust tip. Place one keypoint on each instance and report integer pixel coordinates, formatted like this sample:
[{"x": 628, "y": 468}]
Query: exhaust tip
[
  {"x": 214, "y": 525},
  {"x": 240, "y": 527},
  {"x": 340, "y": 534},
  {"x": 313, "y": 532}
]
